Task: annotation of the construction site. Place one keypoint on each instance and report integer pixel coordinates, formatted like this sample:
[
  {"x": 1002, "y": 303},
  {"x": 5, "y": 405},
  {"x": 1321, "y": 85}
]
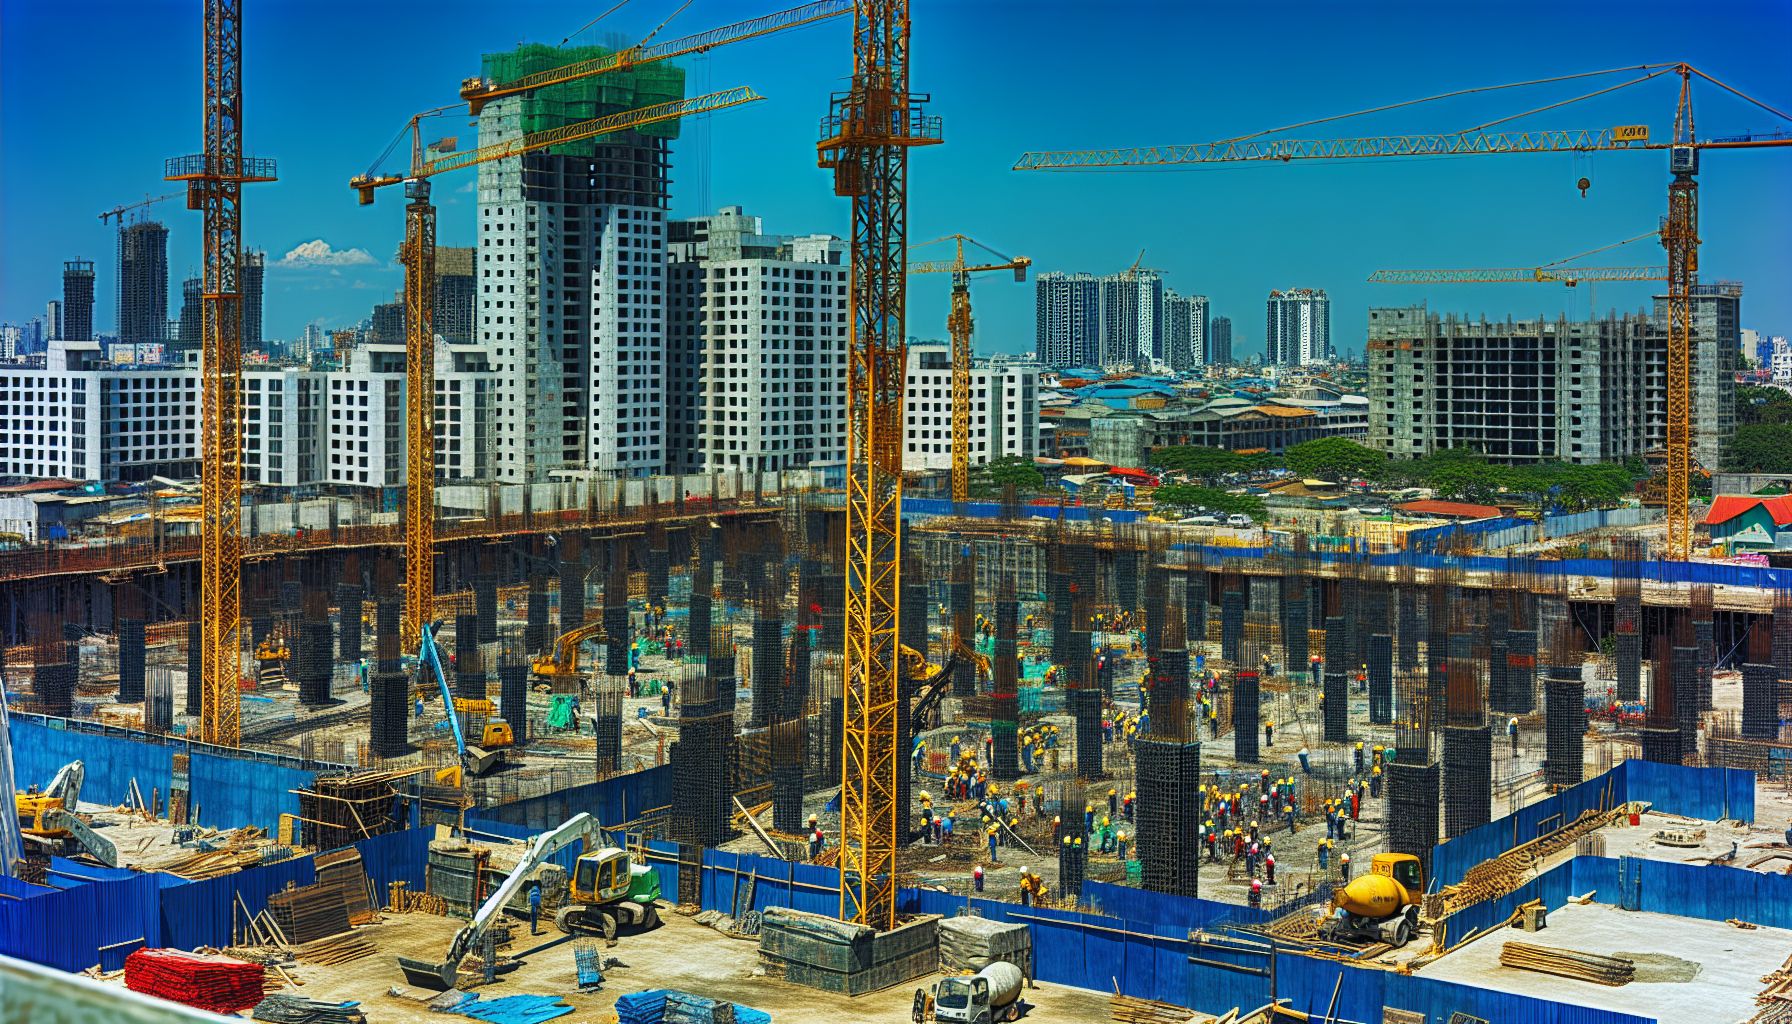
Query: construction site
[{"x": 747, "y": 745}]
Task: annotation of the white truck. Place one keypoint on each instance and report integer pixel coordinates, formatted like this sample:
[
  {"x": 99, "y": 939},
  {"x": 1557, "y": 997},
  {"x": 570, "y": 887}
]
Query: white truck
[{"x": 992, "y": 994}]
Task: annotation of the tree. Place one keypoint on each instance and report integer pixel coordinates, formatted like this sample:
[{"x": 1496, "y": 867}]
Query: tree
[
  {"x": 1202, "y": 463},
  {"x": 1334, "y": 458},
  {"x": 1761, "y": 448},
  {"x": 1187, "y": 497},
  {"x": 1762, "y": 405},
  {"x": 991, "y": 477}
]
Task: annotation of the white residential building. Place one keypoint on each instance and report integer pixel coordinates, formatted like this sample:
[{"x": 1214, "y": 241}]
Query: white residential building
[
  {"x": 1782, "y": 361},
  {"x": 1004, "y": 409},
  {"x": 1298, "y": 329}
]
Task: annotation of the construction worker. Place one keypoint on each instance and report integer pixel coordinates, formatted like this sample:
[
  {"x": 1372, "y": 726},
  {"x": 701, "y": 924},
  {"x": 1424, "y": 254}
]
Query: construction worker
[
  {"x": 1269, "y": 734},
  {"x": 1113, "y": 802},
  {"x": 1377, "y": 755},
  {"x": 1354, "y": 805},
  {"x": 1375, "y": 782},
  {"x": 1359, "y": 756},
  {"x": 534, "y": 906},
  {"x": 1127, "y": 806},
  {"x": 977, "y": 877},
  {"x": 945, "y": 824},
  {"x": 1344, "y": 866},
  {"x": 1304, "y": 765},
  {"x": 956, "y": 750},
  {"x": 816, "y": 842},
  {"x": 1512, "y": 734},
  {"x": 419, "y": 707},
  {"x": 1313, "y": 668},
  {"x": 1121, "y": 838},
  {"x": 926, "y": 804},
  {"x": 1256, "y": 899},
  {"x": 1212, "y": 844},
  {"x": 1269, "y": 868},
  {"x": 1088, "y": 817},
  {"x": 1325, "y": 846},
  {"x": 1256, "y": 833},
  {"x": 1057, "y": 827}
]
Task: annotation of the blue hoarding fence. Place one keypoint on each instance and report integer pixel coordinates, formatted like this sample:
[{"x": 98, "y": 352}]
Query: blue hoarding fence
[
  {"x": 613, "y": 801},
  {"x": 730, "y": 879}
]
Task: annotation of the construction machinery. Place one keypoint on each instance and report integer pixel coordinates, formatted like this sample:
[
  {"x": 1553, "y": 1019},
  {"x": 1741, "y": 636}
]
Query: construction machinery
[
  {"x": 607, "y": 891},
  {"x": 1380, "y": 906},
  {"x": 419, "y": 259},
  {"x": 1679, "y": 229},
  {"x": 478, "y": 90},
  {"x": 992, "y": 994},
  {"x": 959, "y": 325},
  {"x": 865, "y": 139},
  {"x": 48, "y": 817},
  {"x": 475, "y": 759},
  {"x": 120, "y": 211},
  {"x": 563, "y": 663},
  {"x": 215, "y": 180}
]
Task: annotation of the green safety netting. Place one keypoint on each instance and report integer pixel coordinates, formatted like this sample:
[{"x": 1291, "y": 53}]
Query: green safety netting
[{"x": 581, "y": 100}]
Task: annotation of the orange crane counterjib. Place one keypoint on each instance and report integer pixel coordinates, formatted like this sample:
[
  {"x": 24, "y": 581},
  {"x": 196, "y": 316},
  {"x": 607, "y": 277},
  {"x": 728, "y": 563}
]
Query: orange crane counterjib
[
  {"x": 478, "y": 92},
  {"x": 1564, "y": 275},
  {"x": 564, "y": 135},
  {"x": 1019, "y": 265},
  {"x": 1342, "y": 149}
]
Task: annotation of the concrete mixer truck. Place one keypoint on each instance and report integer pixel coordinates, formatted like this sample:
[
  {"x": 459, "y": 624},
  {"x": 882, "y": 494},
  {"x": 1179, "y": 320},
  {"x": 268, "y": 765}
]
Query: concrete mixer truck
[
  {"x": 992, "y": 994},
  {"x": 1381, "y": 906}
]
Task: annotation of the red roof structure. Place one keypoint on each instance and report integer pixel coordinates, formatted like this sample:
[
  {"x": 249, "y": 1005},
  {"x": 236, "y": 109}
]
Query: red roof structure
[
  {"x": 1727, "y": 507},
  {"x": 1450, "y": 509}
]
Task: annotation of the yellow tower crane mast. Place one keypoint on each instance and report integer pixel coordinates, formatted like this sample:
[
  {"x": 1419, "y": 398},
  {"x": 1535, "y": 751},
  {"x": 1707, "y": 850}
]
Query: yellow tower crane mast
[
  {"x": 215, "y": 180},
  {"x": 1679, "y": 229},
  {"x": 419, "y": 258},
  {"x": 959, "y": 325},
  {"x": 865, "y": 140}
]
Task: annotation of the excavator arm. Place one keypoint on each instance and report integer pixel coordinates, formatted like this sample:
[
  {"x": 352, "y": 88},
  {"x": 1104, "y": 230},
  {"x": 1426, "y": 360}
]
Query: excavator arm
[
  {"x": 933, "y": 689},
  {"x": 579, "y": 826},
  {"x": 66, "y": 786},
  {"x": 565, "y": 659}
]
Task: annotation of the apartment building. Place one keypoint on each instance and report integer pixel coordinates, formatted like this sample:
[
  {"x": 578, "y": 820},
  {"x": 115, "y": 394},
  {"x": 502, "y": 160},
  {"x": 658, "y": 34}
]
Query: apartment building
[{"x": 1004, "y": 409}]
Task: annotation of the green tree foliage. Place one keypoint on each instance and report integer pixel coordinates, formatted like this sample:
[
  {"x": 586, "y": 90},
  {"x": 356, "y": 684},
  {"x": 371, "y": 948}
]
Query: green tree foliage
[
  {"x": 1762, "y": 405},
  {"x": 1334, "y": 458},
  {"x": 1184, "y": 497},
  {"x": 1761, "y": 448},
  {"x": 1198, "y": 462},
  {"x": 988, "y": 479},
  {"x": 1463, "y": 474}
]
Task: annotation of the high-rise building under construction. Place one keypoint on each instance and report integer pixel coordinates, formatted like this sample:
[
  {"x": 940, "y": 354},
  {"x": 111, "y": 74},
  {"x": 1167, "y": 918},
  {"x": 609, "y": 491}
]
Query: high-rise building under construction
[
  {"x": 142, "y": 283},
  {"x": 571, "y": 271},
  {"x": 77, "y": 301}
]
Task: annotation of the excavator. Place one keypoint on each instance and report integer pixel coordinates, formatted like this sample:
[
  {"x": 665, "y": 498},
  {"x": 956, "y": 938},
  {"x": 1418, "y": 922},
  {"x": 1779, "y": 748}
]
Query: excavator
[
  {"x": 607, "y": 891},
  {"x": 563, "y": 663},
  {"x": 474, "y": 759},
  {"x": 48, "y": 817}
]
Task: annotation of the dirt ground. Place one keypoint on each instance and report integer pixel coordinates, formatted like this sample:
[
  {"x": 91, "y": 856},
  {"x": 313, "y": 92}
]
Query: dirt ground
[{"x": 681, "y": 955}]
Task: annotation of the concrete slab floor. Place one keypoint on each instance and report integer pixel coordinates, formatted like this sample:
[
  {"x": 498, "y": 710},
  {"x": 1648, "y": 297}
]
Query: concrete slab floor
[
  {"x": 681, "y": 955},
  {"x": 1730, "y": 963}
]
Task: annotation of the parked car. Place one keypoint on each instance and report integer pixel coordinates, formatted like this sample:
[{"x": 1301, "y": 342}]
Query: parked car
[
  {"x": 1208, "y": 520},
  {"x": 1238, "y": 519},
  {"x": 1373, "y": 510}
]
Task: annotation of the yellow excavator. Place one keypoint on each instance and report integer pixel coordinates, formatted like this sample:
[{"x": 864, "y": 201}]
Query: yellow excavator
[
  {"x": 48, "y": 817},
  {"x": 563, "y": 662}
]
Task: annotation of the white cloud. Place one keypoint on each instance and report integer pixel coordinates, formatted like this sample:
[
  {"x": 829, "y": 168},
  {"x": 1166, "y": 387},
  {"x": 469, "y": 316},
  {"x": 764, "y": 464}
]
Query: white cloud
[
  {"x": 468, "y": 187},
  {"x": 318, "y": 253}
]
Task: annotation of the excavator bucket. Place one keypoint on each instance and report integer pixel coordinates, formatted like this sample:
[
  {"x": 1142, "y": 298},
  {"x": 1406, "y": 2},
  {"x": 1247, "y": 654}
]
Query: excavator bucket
[{"x": 426, "y": 974}]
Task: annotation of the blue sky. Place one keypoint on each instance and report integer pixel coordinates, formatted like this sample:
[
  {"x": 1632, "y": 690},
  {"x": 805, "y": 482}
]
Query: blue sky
[{"x": 91, "y": 104}]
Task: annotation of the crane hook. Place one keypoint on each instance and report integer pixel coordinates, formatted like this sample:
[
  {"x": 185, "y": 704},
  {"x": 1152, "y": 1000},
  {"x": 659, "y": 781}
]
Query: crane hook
[{"x": 1583, "y": 184}]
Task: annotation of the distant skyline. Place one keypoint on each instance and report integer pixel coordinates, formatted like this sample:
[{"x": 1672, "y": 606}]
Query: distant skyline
[{"x": 329, "y": 82}]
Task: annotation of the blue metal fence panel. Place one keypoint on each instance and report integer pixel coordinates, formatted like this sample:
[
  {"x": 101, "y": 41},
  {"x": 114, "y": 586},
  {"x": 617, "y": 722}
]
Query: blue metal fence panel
[
  {"x": 1058, "y": 947},
  {"x": 1439, "y": 999},
  {"x": 612, "y": 801},
  {"x": 231, "y": 793},
  {"x": 199, "y": 914},
  {"x": 67, "y": 928},
  {"x": 112, "y": 761},
  {"x": 396, "y": 857},
  {"x": 1709, "y": 793}
]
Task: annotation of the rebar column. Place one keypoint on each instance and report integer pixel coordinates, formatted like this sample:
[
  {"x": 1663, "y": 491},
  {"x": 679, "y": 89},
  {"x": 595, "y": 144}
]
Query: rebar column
[
  {"x": 1294, "y": 627},
  {"x": 659, "y": 561},
  {"x": 1498, "y": 671},
  {"x": 195, "y": 667},
  {"x": 1194, "y": 604},
  {"x": 1704, "y": 635},
  {"x": 537, "y": 633},
  {"x": 1410, "y": 633},
  {"x": 1660, "y": 732},
  {"x": 1467, "y": 778},
  {"x": 1337, "y": 684},
  {"x": 1083, "y": 698},
  {"x": 1564, "y": 725},
  {"x": 1157, "y": 586},
  {"x": 513, "y": 696},
  {"x": 1246, "y": 721},
  {"x": 348, "y": 621},
  {"x": 572, "y": 593},
  {"x": 616, "y": 627},
  {"x": 485, "y": 602},
  {"x": 1126, "y": 579},
  {"x": 1381, "y": 679},
  {"x": 962, "y": 596},
  {"x": 1686, "y": 689},
  {"x": 768, "y": 662},
  {"x": 389, "y": 701},
  {"x": 1168, "y": 770},
  {"x": 1057, "y": 584},
  {"x": 130, "y": 661},
  {"x": 1521, "y": 666},
  {"x": 469, "y": 673},
  {"x": 1231, "y": 620},
  {"x": 1412, "y": 809},
  {"x": 311, "y": 651},
  {"x": 54, "y": 687},
  {"x": 1004, "y": 712},
  {"x": 1760, "y": 702}
]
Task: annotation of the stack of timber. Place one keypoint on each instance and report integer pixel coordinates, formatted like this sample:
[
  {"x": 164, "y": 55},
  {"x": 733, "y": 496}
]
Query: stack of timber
[
  {"x": 1128, "y": 1010},
  {"x": 309, "y": 913},
  {"x": 1501, "y": 875},
  {"x": 281, "y": 1008},
  {"x": 403, "y": 901},
  {"x": 342, "y": 868},
  {"x": 1568, "y": 963},
  {"x": 1779, "y": 986},
  {"x": 341, "y": 809},
  {"x": 230, "y": 851},
  {"x": 337, "y": 949},
  {"x": 218, "y": 983}
]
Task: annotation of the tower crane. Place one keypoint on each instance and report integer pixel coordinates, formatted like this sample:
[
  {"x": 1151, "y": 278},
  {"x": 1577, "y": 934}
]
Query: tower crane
[
  {"x": 1679, "y": 229},
  {"x": 215, "y": 180},
  {"x": 959, "y": 324},
  {"x": 1569, "y": 276},
  {"x": 478, "y": 91},
  {"x": 865, "y": 139},
  {"x": 120, "y": 211},
  {"x": 419, "y": 259}
]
